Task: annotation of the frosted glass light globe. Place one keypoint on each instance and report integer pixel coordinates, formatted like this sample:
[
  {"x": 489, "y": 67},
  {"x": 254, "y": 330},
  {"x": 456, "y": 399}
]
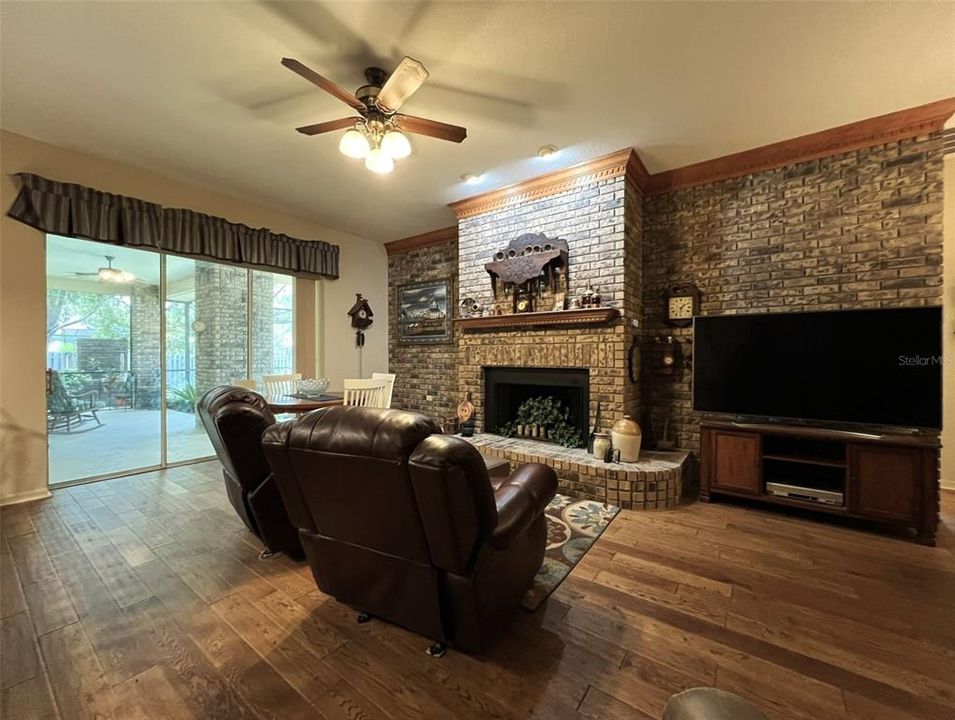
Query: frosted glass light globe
[
  {"x": 378, "y": 161},
  {"x": 354, "y": 144},
  {"x": 396, "y": 144}
]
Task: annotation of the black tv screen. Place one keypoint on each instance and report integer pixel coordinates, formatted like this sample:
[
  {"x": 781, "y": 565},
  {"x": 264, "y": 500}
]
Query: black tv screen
[{"x": 874, "y": 367}]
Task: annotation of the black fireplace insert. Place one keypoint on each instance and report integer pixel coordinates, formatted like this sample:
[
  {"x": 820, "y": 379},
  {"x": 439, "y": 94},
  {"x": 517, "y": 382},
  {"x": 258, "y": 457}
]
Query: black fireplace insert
[{"x": 505, "y": 388}]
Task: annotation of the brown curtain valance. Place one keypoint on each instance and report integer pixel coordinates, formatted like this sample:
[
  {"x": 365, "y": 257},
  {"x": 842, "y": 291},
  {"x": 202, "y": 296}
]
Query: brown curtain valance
[{"x": 77, "y": 211}]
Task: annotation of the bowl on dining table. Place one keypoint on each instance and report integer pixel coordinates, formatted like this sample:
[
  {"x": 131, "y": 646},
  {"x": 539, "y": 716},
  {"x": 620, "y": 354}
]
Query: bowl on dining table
[{"x": 313, "y": 386}]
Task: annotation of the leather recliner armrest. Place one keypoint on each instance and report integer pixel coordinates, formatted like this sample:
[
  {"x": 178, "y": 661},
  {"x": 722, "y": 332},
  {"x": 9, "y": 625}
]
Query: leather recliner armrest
[{"x": 520, "y": 500}]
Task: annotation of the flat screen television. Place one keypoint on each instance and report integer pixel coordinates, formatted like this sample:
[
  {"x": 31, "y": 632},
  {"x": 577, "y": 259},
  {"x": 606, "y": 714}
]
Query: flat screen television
[{"x": 870, "y": 367}]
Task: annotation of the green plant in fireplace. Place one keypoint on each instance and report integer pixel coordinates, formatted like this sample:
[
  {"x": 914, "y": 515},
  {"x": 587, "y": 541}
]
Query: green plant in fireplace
[{"x": 543, "y": 418}]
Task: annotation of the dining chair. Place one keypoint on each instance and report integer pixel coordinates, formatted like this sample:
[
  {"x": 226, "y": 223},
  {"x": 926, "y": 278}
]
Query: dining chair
[
  {"x": 389, "y": 379},
  {"x": 364, "y": 393},
  {"x": 247, "y": 383},
  {"x": 281, "y": 384}
]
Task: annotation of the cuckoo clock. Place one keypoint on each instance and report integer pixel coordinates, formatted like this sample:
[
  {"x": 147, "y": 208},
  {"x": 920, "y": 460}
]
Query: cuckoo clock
[{"x": 361, "y": 318}]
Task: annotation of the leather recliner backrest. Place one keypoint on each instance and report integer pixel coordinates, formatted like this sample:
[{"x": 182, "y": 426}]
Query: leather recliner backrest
[
  {"x": 454, "y": 499},
  {"x": 235, "y": 419},
  {"x": 350, "y": 470}
]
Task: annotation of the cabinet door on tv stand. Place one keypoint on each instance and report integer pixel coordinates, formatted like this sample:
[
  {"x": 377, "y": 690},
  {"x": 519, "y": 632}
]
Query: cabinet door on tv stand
[
  {"x": 735, "y": 462},
  {"x": 884, "y": 482}
]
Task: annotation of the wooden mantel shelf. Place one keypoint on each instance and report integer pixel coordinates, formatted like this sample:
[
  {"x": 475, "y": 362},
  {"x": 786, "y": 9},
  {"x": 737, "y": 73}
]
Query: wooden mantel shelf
[{"x": 559, "y": 318}]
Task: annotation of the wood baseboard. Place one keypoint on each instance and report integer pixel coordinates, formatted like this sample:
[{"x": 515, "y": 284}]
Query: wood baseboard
[{"x": 28, "y": 496}]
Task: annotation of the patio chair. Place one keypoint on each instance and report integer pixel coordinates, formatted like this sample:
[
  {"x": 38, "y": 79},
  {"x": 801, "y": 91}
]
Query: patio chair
[
  {"x": 64, "y": 409},
  {"x": 122, "y": 392},
  {"x": 247, "y": 383},
  {"x": 389, "y": 380},
  {"x": 365, "y": 393}
]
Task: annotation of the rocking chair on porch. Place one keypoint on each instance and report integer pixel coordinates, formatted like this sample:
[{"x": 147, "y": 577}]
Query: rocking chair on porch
[{"x": 66, "y": 410}]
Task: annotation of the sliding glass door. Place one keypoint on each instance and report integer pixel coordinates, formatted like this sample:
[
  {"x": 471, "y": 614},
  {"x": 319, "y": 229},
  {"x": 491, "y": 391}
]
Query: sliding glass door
[
  {"x": 103, "y": 330},
  {"x": 273, "y": 330},
  {"x": 135, "y": 338}
]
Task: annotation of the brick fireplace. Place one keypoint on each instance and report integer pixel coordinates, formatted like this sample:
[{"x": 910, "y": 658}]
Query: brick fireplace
[
  {"x": 857, "y": 227},
  {"x": 598, "y": 214}
]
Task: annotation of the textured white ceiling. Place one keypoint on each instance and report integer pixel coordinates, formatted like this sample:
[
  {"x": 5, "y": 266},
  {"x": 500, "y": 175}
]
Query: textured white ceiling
[{"x": 195, "y": 90}]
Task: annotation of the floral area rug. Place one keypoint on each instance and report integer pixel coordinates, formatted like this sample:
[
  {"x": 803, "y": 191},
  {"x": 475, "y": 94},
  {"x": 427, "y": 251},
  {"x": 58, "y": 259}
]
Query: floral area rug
[{"x": 572, "y": 528}]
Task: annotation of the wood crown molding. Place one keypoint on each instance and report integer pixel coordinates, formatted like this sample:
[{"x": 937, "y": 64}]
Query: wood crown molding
[
  {"x": 613, "y": 165},
  {"x": 880, "y": 130},
  {"x": 427, "y": 239},
  {"x": 898, "y": 125}
]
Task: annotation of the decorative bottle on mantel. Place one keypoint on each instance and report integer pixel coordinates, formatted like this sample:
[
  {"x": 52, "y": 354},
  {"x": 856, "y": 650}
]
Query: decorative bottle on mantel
[{"x": 627, "y": 437}]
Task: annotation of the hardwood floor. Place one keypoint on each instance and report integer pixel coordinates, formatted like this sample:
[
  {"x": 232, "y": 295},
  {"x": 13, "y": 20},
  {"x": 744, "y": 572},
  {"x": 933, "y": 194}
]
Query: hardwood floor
[{"x": 143, "y": 597}]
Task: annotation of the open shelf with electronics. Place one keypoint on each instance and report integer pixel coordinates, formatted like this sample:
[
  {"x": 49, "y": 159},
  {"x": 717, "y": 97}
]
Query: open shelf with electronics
[{"x": 884, "y": 477}]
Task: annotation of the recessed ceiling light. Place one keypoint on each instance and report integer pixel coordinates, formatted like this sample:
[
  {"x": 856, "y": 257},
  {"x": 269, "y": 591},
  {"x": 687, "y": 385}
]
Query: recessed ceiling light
[
  {"x": 547, "y": 152},
  {"x": 471, "y": 178}
]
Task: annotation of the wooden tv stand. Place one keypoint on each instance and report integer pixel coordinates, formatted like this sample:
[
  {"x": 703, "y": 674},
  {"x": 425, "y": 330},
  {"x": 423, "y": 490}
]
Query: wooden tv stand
[{"x": 887, "y": 478}]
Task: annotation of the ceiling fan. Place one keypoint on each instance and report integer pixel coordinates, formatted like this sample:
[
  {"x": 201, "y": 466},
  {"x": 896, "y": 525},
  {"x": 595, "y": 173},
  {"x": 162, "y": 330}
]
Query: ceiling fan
[
  {"x": 109, "y": 273},
  {"x": 377, "y": 136}
]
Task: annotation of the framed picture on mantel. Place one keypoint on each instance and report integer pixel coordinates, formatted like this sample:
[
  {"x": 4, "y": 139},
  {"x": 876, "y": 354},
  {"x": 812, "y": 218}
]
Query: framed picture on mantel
[{"x": 424, "y": 312}]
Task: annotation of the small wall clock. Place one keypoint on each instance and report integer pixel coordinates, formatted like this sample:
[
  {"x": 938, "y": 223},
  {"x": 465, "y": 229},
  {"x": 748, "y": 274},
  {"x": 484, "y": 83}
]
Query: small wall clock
[
  {"x": 681, "y": 303},
  {"x": 523, "y": 301}
]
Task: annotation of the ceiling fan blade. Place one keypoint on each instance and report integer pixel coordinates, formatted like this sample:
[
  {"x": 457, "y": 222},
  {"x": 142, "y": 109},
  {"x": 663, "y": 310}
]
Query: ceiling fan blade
[
  {"x": 324, "y": 83},
  {"x": 432, "y": 128},
  {"x": 324, "y": 127},
  {"x": 401, "y": 84}
]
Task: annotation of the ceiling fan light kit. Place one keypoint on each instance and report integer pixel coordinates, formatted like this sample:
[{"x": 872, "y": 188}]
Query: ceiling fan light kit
[
  {"x": 378, "y": 161},
  {"x": 395, "y": 143},
  {"x": 378, "y": 136},
  {"x": 354, "y": 144},
  {"x": 109, "y": 274}
]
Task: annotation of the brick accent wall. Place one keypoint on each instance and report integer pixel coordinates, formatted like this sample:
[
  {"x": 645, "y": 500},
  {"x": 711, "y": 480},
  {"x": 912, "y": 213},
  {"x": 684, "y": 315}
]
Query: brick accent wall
[
  {"x": 426, "y": 374},
  {"x": 860, "y": 229},
  {"x": 857, "y": 230},
  {"x": 633, "y": 293}
]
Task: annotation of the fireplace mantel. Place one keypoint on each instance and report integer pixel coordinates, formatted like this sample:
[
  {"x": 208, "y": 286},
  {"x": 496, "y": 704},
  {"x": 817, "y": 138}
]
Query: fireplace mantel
[{"x": 559, "y": 318}]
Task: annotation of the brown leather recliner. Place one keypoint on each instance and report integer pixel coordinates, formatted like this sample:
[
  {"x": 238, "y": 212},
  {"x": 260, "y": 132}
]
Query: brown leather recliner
[
  {"x": 235, "y": 419},
  {"x": 403, "y": 523}
]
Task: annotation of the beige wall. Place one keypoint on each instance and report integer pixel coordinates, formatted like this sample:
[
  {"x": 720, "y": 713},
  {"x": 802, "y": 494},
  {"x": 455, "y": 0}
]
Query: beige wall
[
  {"x": 364, "y": 268},
  {"x": 948, "y": 332}
]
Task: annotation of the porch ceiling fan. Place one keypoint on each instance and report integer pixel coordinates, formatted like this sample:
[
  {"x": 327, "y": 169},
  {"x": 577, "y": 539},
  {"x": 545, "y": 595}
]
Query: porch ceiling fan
[
  {"x": 109, "y": 274},
  {"x": 377, "y": 135}
]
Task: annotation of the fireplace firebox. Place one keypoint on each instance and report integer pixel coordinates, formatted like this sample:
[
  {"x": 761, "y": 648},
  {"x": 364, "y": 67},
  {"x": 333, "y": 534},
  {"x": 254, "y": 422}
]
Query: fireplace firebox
[{"x": 506, "y": 388}]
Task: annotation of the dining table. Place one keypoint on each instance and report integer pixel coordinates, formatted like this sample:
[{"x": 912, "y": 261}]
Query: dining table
[{"x": 300, "y": 403}]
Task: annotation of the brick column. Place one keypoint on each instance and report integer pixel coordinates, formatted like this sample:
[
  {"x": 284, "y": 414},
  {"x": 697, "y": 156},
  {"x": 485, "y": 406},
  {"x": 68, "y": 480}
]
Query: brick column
[
  {"x": 222, "y": 305},
  {"x": 145, "y": 344},
  {"x": 262, "y": 353}
]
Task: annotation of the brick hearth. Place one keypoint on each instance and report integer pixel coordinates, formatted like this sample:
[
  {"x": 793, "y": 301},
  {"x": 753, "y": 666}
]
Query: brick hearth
[{"x": 656, "y": 481}]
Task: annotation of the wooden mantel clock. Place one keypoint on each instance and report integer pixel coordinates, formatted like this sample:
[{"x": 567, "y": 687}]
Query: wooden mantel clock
[{"x": 681, "y": 304}]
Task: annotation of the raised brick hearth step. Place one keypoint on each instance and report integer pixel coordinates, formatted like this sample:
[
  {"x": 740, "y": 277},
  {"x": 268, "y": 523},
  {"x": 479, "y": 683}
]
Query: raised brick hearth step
[{"x": 656, "y": 481}]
